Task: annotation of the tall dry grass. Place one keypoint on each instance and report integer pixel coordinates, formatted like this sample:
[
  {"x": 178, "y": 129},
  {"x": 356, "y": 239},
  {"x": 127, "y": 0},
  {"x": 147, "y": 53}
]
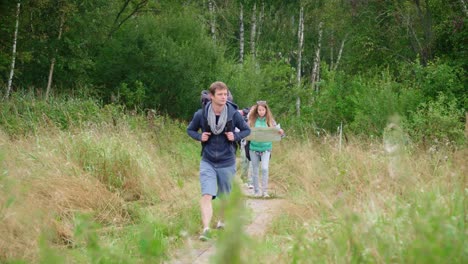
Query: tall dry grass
[
  {"x": 362, "y": 204},
  {"x": 135, "y": 180},
  {"x": 105, "y": 171}
]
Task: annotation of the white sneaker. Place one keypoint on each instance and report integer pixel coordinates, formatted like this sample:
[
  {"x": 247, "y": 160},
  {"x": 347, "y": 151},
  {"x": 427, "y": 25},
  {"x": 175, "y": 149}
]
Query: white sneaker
[
  {"x": 205, "y": 235},
  {"x": 220, "y": 225},
  {"x": 250, "y": 186},
  {"x": 265, "y": 195}
]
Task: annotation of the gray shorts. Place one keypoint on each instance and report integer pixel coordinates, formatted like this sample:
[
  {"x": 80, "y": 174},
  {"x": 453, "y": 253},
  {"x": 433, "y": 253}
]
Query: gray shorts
[{"x": 216, "y": 181}]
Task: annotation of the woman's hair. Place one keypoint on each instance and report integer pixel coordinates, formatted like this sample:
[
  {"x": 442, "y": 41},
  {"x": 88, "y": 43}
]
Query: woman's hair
[{"x": 253, "y": 114}]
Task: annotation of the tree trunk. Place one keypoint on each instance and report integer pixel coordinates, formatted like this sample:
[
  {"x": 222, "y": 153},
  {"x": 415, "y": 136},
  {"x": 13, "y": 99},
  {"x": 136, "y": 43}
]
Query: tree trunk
[
  {"x": 260, "y": 21},
  {"x": 52, "y": 63},
  {"x": 13, "y": 59},
  {"x": 426, "y": 21},
  {"x": 253, "y": 30},
  {"x": 315, "y": 76},
  {"x": 212, "y": 19},
  {"x": 335, "y": 66},
  {"x": 300, "y": 36},
  {"x": 241, "y": 34},
  {"x": 332, "y": 50},
  {"x": 415, "y": 44}
]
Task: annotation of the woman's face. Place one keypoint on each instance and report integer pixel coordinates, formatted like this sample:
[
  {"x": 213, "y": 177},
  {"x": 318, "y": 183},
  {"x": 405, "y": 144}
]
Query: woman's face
[{"x": 261, "y": 110}]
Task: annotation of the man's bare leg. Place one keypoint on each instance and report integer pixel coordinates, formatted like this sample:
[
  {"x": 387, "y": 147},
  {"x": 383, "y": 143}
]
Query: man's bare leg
[{"x": 206, "y": 210}]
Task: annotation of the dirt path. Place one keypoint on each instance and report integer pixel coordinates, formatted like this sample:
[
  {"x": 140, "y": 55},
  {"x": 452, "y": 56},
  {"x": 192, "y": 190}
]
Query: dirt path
[{"x": 263, "y": 211}]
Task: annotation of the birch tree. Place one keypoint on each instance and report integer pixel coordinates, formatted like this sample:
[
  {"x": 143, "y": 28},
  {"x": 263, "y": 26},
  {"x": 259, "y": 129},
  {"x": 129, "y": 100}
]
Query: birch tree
[
  {"x": 52, "y": 63},
  {"x": 332, "y": 49},
  {"x": 13, "y": 57},
  {"x": 241, "y": 34},
  {"x": 335, "y": 65},
  {"x": 300, "y": 36},
  {"x": 253, "y": 29},
  {"x": 315, "y": 76},
  {"x": 260, "y": 21},
  {"x": 212, "y": 19}
]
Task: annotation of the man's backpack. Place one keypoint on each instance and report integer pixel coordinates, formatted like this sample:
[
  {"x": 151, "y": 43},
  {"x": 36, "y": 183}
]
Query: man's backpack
[
  {"x": 205, "y": 97},
  {"x": 247, "y": 149}
]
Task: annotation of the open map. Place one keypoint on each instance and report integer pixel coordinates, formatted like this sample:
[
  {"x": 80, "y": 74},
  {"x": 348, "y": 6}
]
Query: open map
[{"x": 264, "y": 134}]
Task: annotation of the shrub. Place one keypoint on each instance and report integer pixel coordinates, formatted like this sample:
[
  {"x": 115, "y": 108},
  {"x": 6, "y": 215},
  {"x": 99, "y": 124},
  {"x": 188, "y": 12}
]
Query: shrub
[{"x": 437, "y": 123}]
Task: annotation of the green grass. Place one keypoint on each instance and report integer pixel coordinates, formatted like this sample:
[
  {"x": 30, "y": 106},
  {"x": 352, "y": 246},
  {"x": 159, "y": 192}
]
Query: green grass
[
  {"x": 346, "y": 208},
  {"x": 106, "y": 187}
]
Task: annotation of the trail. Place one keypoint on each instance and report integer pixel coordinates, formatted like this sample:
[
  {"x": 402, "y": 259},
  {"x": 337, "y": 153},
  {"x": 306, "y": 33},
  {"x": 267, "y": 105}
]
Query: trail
[{"x": 263, "y": 211}]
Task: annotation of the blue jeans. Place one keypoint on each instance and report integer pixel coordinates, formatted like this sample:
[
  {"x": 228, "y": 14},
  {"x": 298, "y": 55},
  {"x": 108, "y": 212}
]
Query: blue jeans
[{"x": 257, "y": 159}]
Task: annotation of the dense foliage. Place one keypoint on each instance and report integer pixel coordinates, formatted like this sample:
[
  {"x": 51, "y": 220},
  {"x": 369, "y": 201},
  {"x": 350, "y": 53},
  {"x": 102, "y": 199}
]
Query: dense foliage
[
  {"x": 377, "y": 58},
  {"x": 96, "y": 166}
]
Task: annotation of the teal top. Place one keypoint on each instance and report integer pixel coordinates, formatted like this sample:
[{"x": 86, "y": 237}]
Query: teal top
[{"x": 260, "y": 146}]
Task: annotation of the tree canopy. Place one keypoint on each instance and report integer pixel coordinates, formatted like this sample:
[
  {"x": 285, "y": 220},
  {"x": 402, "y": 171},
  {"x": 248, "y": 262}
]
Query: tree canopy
[{"x": 376, "y": 57}]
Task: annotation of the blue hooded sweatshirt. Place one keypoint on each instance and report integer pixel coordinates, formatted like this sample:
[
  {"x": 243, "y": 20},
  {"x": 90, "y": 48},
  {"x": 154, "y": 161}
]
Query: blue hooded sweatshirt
[{"x": 218, "y": 150}]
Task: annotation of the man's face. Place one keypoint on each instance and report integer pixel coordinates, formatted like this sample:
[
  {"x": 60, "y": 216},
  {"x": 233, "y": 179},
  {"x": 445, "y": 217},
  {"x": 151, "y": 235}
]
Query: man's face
[{"x": 220, "y": 97}]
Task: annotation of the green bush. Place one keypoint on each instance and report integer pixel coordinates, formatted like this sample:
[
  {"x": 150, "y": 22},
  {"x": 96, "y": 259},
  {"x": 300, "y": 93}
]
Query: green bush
[
  {"x": 23, "y": 114},
  {"x": 437, "y": 123},
  {"x": 165, "y": 60}
]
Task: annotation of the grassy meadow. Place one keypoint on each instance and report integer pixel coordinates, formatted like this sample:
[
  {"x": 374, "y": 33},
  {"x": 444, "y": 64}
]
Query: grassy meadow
[{"x": 81, "y": 183}]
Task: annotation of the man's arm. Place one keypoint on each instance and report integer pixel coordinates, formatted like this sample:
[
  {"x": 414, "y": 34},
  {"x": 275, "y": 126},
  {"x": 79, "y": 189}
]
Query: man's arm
[
  {"x": 194, "y": 126},
  {"x": 241, "y": 125}
]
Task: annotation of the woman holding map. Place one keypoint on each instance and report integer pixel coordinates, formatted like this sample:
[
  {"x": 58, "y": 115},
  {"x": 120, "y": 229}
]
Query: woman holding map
[{"x": 260, "y": 117}]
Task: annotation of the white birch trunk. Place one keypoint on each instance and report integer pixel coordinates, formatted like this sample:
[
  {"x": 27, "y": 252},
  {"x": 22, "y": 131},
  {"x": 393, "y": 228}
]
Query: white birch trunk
[
  {"x": 52, "y": 63},
  {"x": 300, "y": 36},
  {"x": 260, "y": 21},
  {"x": 212, "y": 19},
  {"x": 340, "y": 53},
  {"x": 253, "y": 30},
  {"x": 13, "y": 59},
  {"x": 315, "y": 76},
  {"x": 241, "y": 34},
  {"x": 332, "y": 50},
  {"x": 318, "y": 76}
]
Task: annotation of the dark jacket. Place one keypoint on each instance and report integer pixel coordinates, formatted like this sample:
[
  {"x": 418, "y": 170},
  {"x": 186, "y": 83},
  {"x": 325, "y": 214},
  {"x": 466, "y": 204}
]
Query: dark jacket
[{"x": 218, "y": 150}]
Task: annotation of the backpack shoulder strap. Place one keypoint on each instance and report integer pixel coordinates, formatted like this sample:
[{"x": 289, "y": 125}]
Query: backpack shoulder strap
[{"x": 205, "y": 126}]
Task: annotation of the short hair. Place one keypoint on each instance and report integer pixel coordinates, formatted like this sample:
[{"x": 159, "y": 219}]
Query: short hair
[
  {"x": 218, "y": 86},
  {"x": 221, "y": 86}
]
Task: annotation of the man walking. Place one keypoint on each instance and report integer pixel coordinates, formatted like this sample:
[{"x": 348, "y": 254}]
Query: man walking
[{"x": 217, "y": 121}]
